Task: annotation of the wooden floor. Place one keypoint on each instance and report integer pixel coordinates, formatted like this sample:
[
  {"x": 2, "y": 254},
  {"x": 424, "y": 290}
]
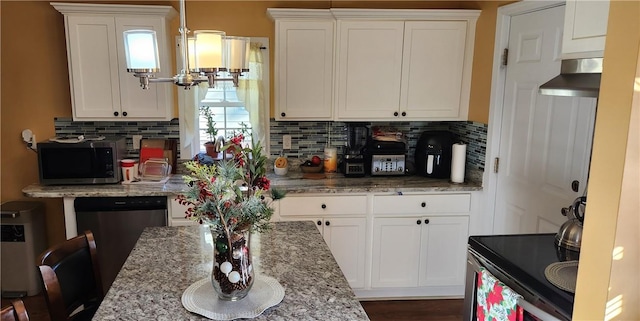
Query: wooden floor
[{"x": 411, "y": 310}]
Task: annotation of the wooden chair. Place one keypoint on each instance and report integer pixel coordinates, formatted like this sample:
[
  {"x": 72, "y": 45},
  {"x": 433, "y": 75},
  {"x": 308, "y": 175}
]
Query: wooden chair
[
  {"x": 71, "y": 278},
  {"x": 15, "y": 312}
]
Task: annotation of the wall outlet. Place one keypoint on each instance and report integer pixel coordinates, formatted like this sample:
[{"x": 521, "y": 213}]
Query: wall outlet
[
  {"x": 286, "y": 141},
  {"x": 136, "y": 141}
]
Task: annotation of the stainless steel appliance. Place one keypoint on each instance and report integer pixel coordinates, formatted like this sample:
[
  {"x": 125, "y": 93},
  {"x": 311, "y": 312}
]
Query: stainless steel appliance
[
  {"x": 24, "y": 237},
  {"x": 570, "y": 234},
  {"x": 433, "y": 154},
  {"x": 352, "y": 164},
  {"x": 81, "y": 162},
  {"x": 519, "y": 262},
  {"x": 384, "y": 158},
  {"x": 116, "y": 223},
  {"x": 578, "y": 78}
]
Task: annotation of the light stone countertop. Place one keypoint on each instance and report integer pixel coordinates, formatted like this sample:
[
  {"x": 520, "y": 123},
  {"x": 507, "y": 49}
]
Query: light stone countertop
[
  {"x": 293, "y": 182},
  {"x": 167, "y": 260}
]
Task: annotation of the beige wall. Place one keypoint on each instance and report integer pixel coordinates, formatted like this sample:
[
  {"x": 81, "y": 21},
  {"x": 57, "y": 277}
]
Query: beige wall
[
  {"x": 624, "y": 284},
  {"x": 35, "y": 83},
  {"x": 608, "y": 160}
]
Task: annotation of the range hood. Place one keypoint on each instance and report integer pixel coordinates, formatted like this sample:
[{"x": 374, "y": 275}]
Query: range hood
[{"x": 578, "y": 78}]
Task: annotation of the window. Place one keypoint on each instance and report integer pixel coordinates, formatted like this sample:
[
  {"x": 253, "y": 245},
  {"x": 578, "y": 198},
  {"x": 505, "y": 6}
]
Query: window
[
  {"x": 229, "y": 113},
  {"x": 227, "y": 105}
]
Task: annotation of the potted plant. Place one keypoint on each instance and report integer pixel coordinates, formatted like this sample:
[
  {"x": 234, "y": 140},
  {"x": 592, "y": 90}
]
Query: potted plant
[
  {"x": 212, "y": 131},
  {"x": 231, "y": 198}
]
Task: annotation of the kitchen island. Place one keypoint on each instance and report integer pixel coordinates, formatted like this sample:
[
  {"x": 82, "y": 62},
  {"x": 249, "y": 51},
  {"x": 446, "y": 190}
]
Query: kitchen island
[{"x": 167, "y": 260}]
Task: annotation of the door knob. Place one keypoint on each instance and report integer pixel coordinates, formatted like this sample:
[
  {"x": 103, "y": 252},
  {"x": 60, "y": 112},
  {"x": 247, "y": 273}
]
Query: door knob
[{"x": 418, "y": 222}]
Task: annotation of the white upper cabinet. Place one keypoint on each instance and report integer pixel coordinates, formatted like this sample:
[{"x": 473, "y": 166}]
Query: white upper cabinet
[
  {"x": 101, "y": 87},
  {"x": 373, "y": 64},
  {"x": 585, "y": 28},
  {"x": 404, "y": 64},
  {"x": 369, "y": 69},
  {"x": 303, "y": 64}
]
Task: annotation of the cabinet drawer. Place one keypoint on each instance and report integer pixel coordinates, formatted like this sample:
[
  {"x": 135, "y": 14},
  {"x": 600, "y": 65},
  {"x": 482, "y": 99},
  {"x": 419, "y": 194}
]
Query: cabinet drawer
[
  {"x": 421, "y": 204},
  {"x": 323, "y": 205}
]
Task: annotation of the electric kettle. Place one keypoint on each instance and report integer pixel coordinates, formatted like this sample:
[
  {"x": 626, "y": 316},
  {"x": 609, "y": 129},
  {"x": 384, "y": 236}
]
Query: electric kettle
[{"x": 570, "y": 234}]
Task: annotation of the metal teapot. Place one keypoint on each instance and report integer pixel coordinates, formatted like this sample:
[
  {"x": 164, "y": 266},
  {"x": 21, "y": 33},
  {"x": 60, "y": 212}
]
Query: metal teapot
[{"x": 570, "y": 234}]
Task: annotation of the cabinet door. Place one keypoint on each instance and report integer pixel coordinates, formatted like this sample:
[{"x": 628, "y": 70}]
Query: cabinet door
[
  {"x": 443, "y": 252},
  {"x": 152, "y": 103},
  {"x": 396, "y": 251},
  {"x": 368, "y": 69},
  {"x": 585, "y": 28},
  {"x": 346, "y": 240},
  {"x": 304, "y": 70},
  {"x": 93, "y": 66},
  {"x": 433, "y": 68},
  {"x": 177, "y": 213}
]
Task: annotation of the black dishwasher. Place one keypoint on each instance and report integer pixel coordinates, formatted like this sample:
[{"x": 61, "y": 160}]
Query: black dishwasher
[{"x": 116, "y": 223}]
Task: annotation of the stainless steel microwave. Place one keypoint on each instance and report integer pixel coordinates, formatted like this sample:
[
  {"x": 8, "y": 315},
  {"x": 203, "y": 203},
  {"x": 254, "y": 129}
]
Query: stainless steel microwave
[{"x": 85, "y": 162}]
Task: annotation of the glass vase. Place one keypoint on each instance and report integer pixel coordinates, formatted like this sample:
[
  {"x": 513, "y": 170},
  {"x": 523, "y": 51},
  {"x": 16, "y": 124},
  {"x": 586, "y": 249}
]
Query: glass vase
[{"x": 232, "y": 274}]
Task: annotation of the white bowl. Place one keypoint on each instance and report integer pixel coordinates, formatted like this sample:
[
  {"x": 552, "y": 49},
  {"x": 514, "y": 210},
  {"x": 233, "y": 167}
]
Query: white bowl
[{"x": 280, "y": 171}]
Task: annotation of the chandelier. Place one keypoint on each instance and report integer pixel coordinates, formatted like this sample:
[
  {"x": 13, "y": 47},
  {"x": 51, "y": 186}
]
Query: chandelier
[{"x": 207, "y": 53}]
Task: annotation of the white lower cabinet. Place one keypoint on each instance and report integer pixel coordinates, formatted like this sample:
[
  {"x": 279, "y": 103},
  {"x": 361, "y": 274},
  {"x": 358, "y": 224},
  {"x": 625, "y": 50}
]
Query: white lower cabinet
[
  {"x": 342, "y": 222},
  {"x": 419, "y": 251},
  {"x": 177, "y": 213},
  {"x": 419, "y": 244}
]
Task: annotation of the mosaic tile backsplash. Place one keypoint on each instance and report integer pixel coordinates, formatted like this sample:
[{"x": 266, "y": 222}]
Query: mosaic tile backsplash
[
  {"x": 307, "y": 138},
  {"x": 310, "y": 138}
]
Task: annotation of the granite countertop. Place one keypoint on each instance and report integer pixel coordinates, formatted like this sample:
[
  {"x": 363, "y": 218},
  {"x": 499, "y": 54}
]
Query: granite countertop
[
  {"x": 293, "y": 182},
  {"x": 167, "y": 260}
]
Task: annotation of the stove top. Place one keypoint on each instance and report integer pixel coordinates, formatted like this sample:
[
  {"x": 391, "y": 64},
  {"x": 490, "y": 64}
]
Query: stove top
[{"x": 524, "y": 257}]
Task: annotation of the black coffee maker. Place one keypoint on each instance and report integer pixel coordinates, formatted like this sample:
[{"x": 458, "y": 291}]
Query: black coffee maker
[{"x": 433, "y": 154}]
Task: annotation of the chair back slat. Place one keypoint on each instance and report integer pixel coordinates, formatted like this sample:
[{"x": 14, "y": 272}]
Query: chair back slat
[
  {"x": 71, "y": 277},
  {"x": 16, "y": 311}
]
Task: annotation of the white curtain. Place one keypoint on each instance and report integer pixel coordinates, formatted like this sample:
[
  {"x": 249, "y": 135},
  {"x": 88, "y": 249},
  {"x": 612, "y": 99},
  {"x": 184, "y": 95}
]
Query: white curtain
[
  {"x": 189, "y": 108},
  {"x": 251, "y": 92}
]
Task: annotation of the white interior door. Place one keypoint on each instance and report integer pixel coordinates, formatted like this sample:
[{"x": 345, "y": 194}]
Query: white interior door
[{"x": 545, "y": 141}]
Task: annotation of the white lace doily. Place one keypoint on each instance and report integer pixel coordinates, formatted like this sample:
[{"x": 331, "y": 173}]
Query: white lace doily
[{"x": 200, "y": 298}]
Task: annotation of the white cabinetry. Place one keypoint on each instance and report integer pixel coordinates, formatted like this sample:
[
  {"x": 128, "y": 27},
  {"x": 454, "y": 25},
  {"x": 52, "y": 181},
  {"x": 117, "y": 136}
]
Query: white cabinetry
[
  {"x": 399, "y": 65},
  {"x": 101, "y": 87},
  {"x": 419, "y": 241},
  {"x": 342, "y": 222},
  {"x": 585, "y": 28},
  {"x": 177, "y": 213},
  {"x": 303, "y": 64}
]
